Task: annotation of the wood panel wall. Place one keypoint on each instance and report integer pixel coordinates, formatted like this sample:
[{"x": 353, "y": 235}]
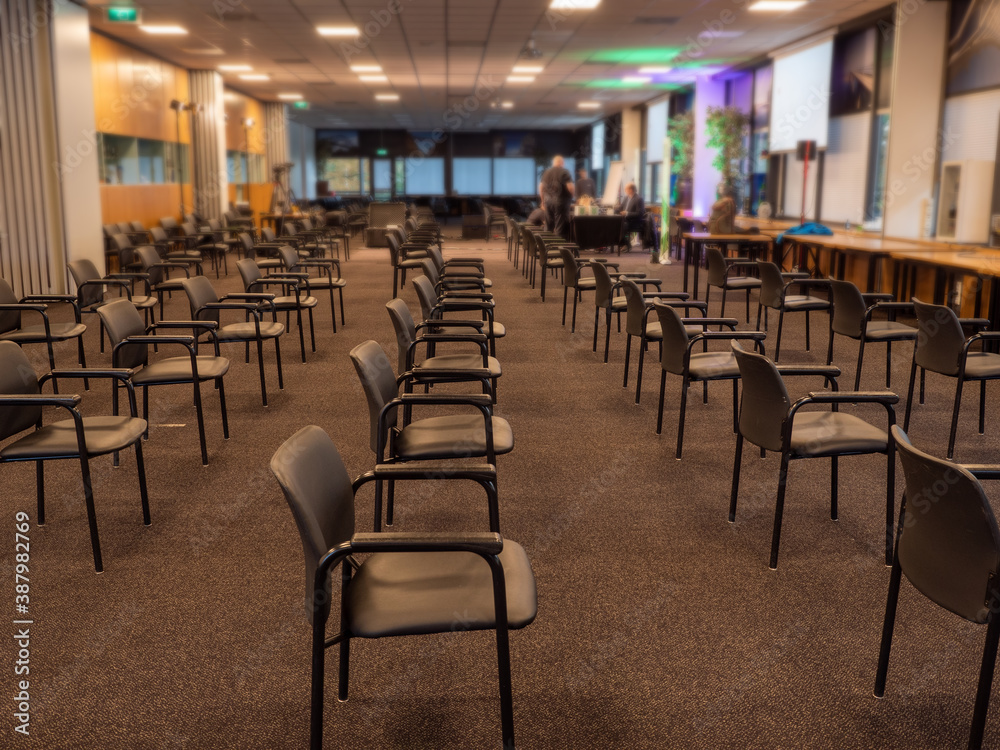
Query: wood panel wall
[{"x": 238, "y": 108}]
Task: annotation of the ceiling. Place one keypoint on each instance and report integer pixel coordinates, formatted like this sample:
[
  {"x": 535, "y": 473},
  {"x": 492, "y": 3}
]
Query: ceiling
[{"x": 448, "y": 60}]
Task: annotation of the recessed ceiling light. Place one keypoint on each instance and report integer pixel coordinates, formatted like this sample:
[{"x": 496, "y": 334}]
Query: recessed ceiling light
[
  {"x": 255, "y": 77},
  {"x": 520, "y": 79},
  {"x": 589, "y": 105},
  {"x": 507, "y": 105},
  {"x": 635, "y": 79},
  {"x": 338, "y": 31},
  {"x": 366, "y": 68},
  {"x": 574, "y": 4},
  {"x": 167, "y": 29},
  {"x": 235, "y": 68},
  {"x": 655, "y": 70},
  {"x": 373, "y": 79},
  {"x": 387, "y": 97},
  {"x": 528, "y": 69},
  {"x": 776, "y": 5},
  {"x": 290, "y": 97}
]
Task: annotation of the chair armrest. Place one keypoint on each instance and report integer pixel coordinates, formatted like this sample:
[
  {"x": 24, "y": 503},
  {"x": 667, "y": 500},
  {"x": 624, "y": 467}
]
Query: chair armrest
[
  {"x": 730, "y": 336},
  {"x": 870, "y": 297},
  {"x": 983, "y": 471},
  {"x": 208, "y": 325},
  {"x": 118, "y": 276},
  {"x": 185, "y": 340},
  {"x": 17, "y": 306},
  {"x": 480, "y": 543},
  {"x": 981, "y": 336},
  {"x": 441, "y": 322},
  {"x": 731, "y": 322},
  {"x": 794, "y": 275},
  {"x": 248, "y": 306},
  {"x": 48, "y": 298},
  {"x": 262, "y": 297},
  {"x": 457, "y": 294},
  {"x": 853, "y": 397},
  {"x": 695, "y": 305},
  {"x": 116, "y": 373},
  {"x": 740, "y": 262},
  {"x": 434, "y": 470},
  {"x": 797, "y": 370},
  {"x": 631, "y": 274},
  {"x": 449, "y": 399},
  {"x": 975, "y": 322},
  {"x": 643, "y": 282},
  {"x": 69, "y": 402},
  {"x": 892, "y": 306},
  {"x": 445, "y": 337},
  {"x": 423, "y": 374}
]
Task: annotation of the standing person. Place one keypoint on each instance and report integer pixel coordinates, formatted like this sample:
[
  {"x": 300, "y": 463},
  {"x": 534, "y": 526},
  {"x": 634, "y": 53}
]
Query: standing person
[
  {"x": 584, "y": 185},
  {"x": 556, "y": 191}
]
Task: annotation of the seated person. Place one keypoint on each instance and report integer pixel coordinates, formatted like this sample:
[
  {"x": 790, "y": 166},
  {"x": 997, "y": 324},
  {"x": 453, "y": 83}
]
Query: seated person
[
  {"x": 722, "y": 218},
  {"x": 633, "y": 208}
]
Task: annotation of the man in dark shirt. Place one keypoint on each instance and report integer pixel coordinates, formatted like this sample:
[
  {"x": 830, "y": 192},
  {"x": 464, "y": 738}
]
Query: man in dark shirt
[
  {"x": 584, "y": 185},
  {"x": 633, "y": 208},
  {"x": 556, "y": 191}
]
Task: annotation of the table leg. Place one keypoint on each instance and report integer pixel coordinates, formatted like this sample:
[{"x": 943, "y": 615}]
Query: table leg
[
  {"x": 699, "y": 249},
  {"x": 686, "y": 244}
]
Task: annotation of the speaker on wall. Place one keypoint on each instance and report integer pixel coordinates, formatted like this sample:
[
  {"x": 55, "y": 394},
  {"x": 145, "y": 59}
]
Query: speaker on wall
[{"x": 804, "y": 147}]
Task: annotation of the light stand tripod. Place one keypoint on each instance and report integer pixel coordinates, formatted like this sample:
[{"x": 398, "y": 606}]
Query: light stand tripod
[{"x": 282, "y": 197}]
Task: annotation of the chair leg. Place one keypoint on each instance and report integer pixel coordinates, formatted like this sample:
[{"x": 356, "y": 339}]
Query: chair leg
[
  {"x": 982, "y": 406},
  {"x": 340, "y": 293},
  {"x": 201, "y": 423},
  {"x": 834, "y": 513},
  {"x": 395, "y": 282},
  {"x": 88, "y": 496},
  {"x": 779, "y": 509},
  {"x": 829, "y": 348},
  {"x": 722, "y": 312},
  {"x": 680, "y": 419},
  {"x": 954, "y": 418},
  {"x": 923, "y": 378},
  {"x": 659, "y": 411},
  {"x": 807, "y": 331},
  {"x": 888, "y": 365},
  {"x": 277, "y": 357},
  {"x": 573, "y": 327},
  {"x": 302, "y": 335},
  {"x": 260, "y": 366},
  {"x": 638, "y": 375},
  {"x": 737, "y": 465},
  {"x": 777, "y": 344},
  {"x": 221, "y": 387},
  {"x": 909, "y": 397},
  {"x": 316, "y": 688},
  {"x": 143, "y": 491},
  {"x": 861, "y": 357},
  {"x": 748, "y": 307},
  {"x": 82, "y": 358},
  {"x": 736, "y": 404},
  {"x": 628, "y": 354},
  {"x": 607, "y": 332},
  {"x": 565, "y": 301},
  {"x": 597, "y": 317},
  {"x": 888, "y": 624},
  {"x": 40, "y": 491},
  {"x": 985, "y": 680},
  {"x": 890, "y": 498}
]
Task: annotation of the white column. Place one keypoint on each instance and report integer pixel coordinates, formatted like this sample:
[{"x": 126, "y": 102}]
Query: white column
[
  {"x": 918, "y": 83},
  {"x": 631, "y": 142},
  {"x": 707, "y": 93}
]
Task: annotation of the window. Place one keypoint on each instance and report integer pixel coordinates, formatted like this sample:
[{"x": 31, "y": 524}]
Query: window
[
  {"x": 151, "y": 162},
  {"x": 656, "y": 132},
  {"x": 425, "y": 176},
  {"x": 471, "y": 176},
  {"x": 570, "y": 164},
  {"x": 382, "y": 178},
  {"x": 138, "y": 161},
  {"x": 514, "y": 176},
  {"x": 597, "y": 145},
  {"x": 400, "y": 176}
]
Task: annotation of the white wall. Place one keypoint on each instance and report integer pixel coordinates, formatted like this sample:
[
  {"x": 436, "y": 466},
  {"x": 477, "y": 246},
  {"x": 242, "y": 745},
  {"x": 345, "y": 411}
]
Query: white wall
[
  {"x": 74, "y": 101},
  {"x": 845, "y": 169},
  {"x": 792, "y": 206}
]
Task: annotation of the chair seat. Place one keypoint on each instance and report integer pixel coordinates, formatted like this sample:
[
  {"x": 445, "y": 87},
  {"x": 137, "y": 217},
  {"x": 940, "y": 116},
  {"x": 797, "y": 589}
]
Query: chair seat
[
  {"x": 451, "y": 436},
  {"x": 459, "y": 362},
  {"x": 713, "y": 366},
  {"x": 412, "y": 593},
  {"x": 58, "y": 440},
  {"x": 889, "y": 330},
  {"x": 291, "y": 303},
  {"x": 741, "y": 282},
  {"x": 321, "y": 282},
  {"x": 248, "y": 331},
  {"x": 36, "y": 334},
  {"x": 801, "y": 302},
  {"x": 410, "y": 263},
  {"x": 178, "y": 370},
  {"x": 586, "y": 282},
  {"x": 170, "y": 285},
  {"x": 498, "y": 329},
  {"x": 654, "y": 331},
  {"x": 982, "y": 366},
  {"x": 827, "y": 433},
  {"x": 617, "y": 303},
  {"x": 476, "y": 280}
]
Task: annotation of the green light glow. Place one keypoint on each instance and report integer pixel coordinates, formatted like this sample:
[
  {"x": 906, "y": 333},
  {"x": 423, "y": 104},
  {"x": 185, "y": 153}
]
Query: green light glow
[
  {"x": 617, "y": 83},
  {"x": 636, "y": 56}
]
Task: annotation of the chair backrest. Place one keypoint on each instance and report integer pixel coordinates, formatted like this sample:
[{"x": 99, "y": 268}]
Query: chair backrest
[
  {"x": 949, "y": 547},
  {"x": 83, "y": 271},
  {"x": 393, "y": 240},
  {"x": 169, "y": 223},
  {"x": 318, "y": 489},
  {"x": 765, "y": 403},
  {"x": 17, "y": 378},
  {"x": 848, "y": 308},
  {"x": 158, "y": 234},
  {"x": 435, "y": 254},
  {"x": 124, "y": 227},
  {"x": 188, "y": 229},
  {"x": 772, "y": 284},
  {"x": 249, "y": 272},
  {"x": 247, "y": 243},
  {"x": 305, "y": 224},
  {"x": 635, "y": 306},
  {"x": 289, "y": 257},
  {"x": 940, "y": 341},
  {"x": 716, "y": 266},
  {"x": 426, "y": 296},
  {"x": 406, "y": 329},
  {"x": 122, "y": 320},
  {"x": 675, "y": 338},
  {"x": 121, "y": 242},
  {"x": 375, "y": 373},
  {"x": 571, "y": 271},
  {"x": 10, "y": 320},
  {"x": 200, "y": 292},
  {"x": 604, "y": 285},
  {"x": 267, "y": 233},
  {"x": 430, "y": 271},
  {"x": 110, "y": 230},
  {"x": 137, "y": 226},
  {"x": 148, "y": 257}
]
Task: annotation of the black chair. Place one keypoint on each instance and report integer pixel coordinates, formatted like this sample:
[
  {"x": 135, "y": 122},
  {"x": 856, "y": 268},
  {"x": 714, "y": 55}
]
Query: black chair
[
  {"x": 606, "y": 298},
  {"x": 434, "y": 307},
  {"x": 772, "y": 422},
  {"x": 12, "y": 329},
  {"x": 157, "y": 273},
  {"x": 213, "y": 244},
  {"x": 400, "y": 263},
  {"x": 295, "y": 297},
  {"x": 774, "y": 288},
  {"x": 207, "y": 305},
  {"x": 853, "y": 317},
  {"x": 92, "y": 290},
  {"x": 336, "y": 227},
  {"x": 943, "y": 348},
  {"x": 639, "y": 304},
  {"x": 720, "y": 275},
  {"x": 678, "y": 358},
  {"x": 80, "y": 438},
  {"x": 131, "y": 349},
  {"x": 949, "y": 549},
  {"x": 411, "y": 584}
]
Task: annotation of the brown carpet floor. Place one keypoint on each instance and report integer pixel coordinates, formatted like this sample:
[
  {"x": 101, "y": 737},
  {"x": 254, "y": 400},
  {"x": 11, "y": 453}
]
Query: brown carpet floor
[{"x": 659, "y": 626}]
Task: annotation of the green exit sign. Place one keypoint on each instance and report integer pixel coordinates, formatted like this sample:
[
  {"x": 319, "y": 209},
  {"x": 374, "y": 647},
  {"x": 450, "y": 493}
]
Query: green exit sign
[
  {"x": 382, "y": 152},
  {"x": 300, "y": 105},
  {"x": 122, "y": 14}
]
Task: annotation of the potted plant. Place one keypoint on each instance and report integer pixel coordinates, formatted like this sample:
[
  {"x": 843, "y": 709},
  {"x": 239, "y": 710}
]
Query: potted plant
[
  {"x": 680, "y": 131},
  {"x": 727, "y": 133}
]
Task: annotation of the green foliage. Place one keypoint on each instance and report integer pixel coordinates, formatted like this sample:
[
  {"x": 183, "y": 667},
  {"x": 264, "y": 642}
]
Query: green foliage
[
  {"x": 727, "y": 129},
  {"x": 680, "y": 131}
]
